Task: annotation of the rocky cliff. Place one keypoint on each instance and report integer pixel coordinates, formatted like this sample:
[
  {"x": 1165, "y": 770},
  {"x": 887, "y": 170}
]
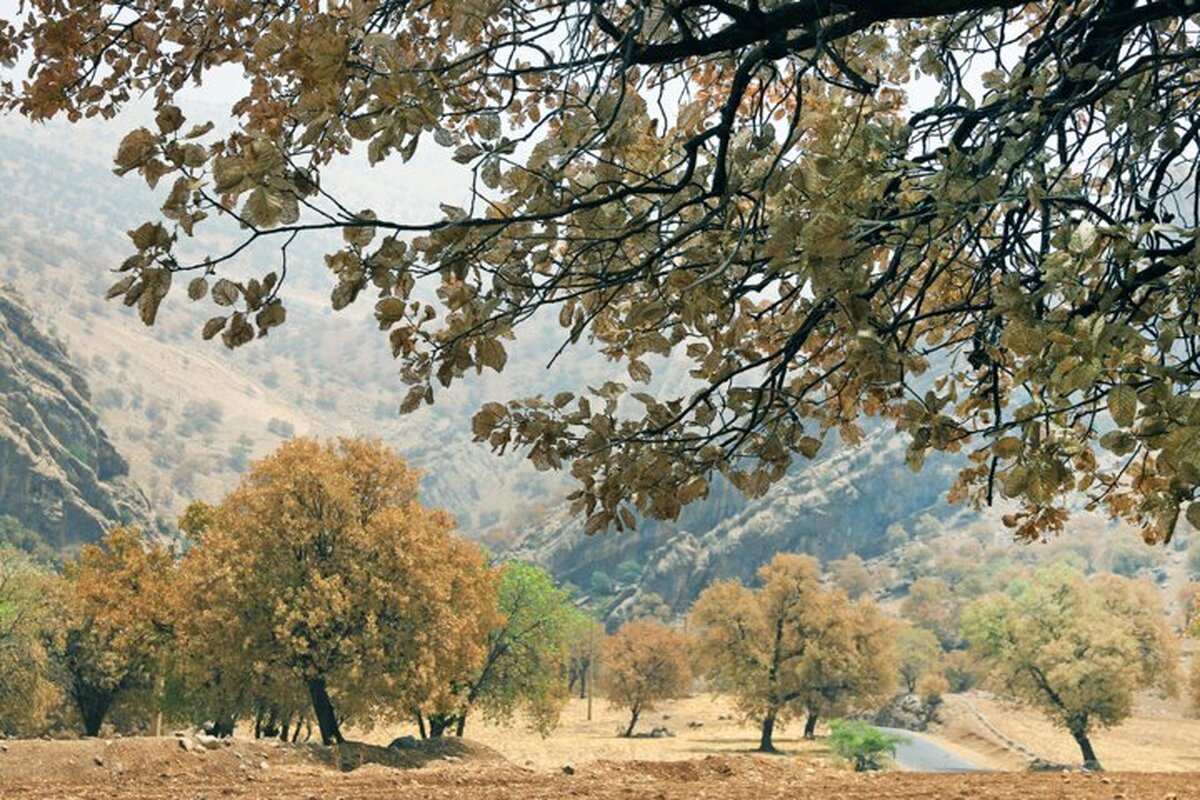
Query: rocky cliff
[
  {"x": 59, "y": 474},
  {"x": 843, "y": 503}
]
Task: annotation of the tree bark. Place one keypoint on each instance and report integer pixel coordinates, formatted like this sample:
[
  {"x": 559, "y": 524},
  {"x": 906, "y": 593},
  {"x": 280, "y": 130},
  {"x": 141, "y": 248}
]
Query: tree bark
[
  {"x": 633, "y": 718},
  {"x": 439, "y": 724},
  {"x": 1090, "y": 762},
  {"x": 93, "y": 705},
  {"x": 323, "y": 710},
  {"x": 223, "y": 726},
  {"x": 765, "y": 743},
  {"x": 461, "y": 726},
  {"x": 421, "y": 725},
  {"x": 810, "y": 726}
]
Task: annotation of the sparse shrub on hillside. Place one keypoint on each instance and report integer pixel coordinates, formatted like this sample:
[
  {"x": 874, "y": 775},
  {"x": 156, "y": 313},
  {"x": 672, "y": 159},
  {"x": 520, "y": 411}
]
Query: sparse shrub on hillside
[
  {"x": 281, "y": 428},
  {"x": 862, "y": 744},
  {"x": 601, "y": 583},
  {"x": 14, "y": 535},
  {"x": 629, "y": 571},
  {"x": 110, "y": 397},
  {"x": 791, "y": 647},
  {"x": 1193, "y": 556},
  {"x": 1076, "y": 649},
  {"x": 852, "y": 576},
  {"x": 239, "y": 454},
  {"x": 645, "y": 662},
  {"x": 895, "y": 536},
  {"x": 646, "y": 605},
  {"x": 1128, "y": 558}
]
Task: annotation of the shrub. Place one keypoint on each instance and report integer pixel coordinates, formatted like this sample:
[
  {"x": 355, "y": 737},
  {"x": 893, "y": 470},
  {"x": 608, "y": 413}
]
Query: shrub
[
  {"x": 601, "y": 583},
  {"x": 629, "y": 571},
  {"x": 862, "y": 744}
]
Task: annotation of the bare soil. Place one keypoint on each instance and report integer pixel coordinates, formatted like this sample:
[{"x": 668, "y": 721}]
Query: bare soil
[
  {"x": 708, "y": 756},
  {"x": 149, "y": 769}
]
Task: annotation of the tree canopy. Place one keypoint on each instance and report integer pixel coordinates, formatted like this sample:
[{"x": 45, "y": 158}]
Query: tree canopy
[
  {"x": 116, "y": 624},
  {"x": 525, "y": 661},
  {"x": 1077, "y": 649},
  {"x": 973, "y": 218},
  {"x": 645, "y": 662},
  {"x": 791, "y": 647},
  {"x": 329, "y": 575}
]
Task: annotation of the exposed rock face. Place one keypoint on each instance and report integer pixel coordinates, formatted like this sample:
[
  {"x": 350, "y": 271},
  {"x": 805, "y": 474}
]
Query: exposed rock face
[
  {"x": 840, "y": 504},
  {"x": 59, "y": 473}
]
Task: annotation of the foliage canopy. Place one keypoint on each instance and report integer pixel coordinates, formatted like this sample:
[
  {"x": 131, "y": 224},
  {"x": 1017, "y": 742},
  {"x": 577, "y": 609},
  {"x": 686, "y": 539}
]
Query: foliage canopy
[
  {"x": 1075, "y": 648},
  {"x": 816, "y": 206}
]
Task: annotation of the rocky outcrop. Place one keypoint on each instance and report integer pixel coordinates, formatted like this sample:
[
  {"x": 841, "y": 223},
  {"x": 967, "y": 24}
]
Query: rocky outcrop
[
  {"x": 59, "y": 474},
  {"x": 840, "y": 504}
]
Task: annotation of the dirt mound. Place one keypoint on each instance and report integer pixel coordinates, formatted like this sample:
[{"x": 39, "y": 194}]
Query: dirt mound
[
  {"x": 141, "y": 761},
  {"x": 707, "y": 769},
  {"x": 353, "y": 755}
]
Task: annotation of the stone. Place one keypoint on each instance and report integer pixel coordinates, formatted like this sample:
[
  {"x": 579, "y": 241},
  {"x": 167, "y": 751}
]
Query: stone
[
  {"x": 187, "y": 744},
  {"x": 99, "y": 761},
  {"x": 568, "y": 769},
  {"x": 404, "y": 743}
]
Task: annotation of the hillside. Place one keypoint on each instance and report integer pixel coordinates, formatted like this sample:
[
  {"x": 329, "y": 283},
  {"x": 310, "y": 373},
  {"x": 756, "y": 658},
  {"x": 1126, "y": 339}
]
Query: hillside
[
  {"x": 843, "y": 503},
  {"x": 60, "y": 475},
  {"x": 188, "y": 414}
]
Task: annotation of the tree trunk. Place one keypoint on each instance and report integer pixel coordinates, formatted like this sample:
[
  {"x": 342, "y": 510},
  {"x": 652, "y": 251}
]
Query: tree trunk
[
  {"x": 421, "y": 725},
  {"x": 461, "y": 726},
  {"x": 439, "y": 724},
  {"x": 93, "y": 705},
  {"x": 810, "y": 726},
  {"x": 765, "y": 743},
  {"x": 1090, "y": 762},
  {"x": 633, "y": 718},
  {"x": 323, "y": 710},
  {"x": 223, "y": 726}
]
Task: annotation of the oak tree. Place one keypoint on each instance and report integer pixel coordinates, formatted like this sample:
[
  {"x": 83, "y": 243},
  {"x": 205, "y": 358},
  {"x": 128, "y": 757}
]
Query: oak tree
[
  {"x": 791, "y": 647},
  {"x": 918, "y": 654},
  {"x": 30, "y": 602},
  {"x": 645, "y": 662},
  {"x": 1076, "y": 649},
  {"x": 334, "y": 577},
  {"x": 117, "y": 621},
  {"x": 972, "y": 218},
  {"x": 525, "y": 656}
]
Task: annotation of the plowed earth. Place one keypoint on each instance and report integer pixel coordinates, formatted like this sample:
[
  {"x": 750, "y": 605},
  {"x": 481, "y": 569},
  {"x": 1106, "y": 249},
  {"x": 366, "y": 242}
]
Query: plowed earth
[{"x": 158, "y": 769}]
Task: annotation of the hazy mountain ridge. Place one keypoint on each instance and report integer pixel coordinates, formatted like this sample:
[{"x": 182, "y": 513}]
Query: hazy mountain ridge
[{"x": 60, "y": 475}]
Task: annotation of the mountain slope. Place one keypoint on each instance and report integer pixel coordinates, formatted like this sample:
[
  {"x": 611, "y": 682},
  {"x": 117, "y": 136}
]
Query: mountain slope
[
  {"x": 843, "y": 503},
  {"x": 59, "y": 474}
]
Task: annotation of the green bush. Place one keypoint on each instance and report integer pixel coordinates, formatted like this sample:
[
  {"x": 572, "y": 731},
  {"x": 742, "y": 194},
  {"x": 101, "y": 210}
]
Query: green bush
[
  {"x": 601, "y": 583},
  {"x": 629, "y": 571},
  {"x": 862, "y": 744}
]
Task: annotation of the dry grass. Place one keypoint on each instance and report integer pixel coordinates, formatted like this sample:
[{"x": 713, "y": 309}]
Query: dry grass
[
  {"x": 1154, "y": 739},
  {"x": 578, "y": 741}
]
